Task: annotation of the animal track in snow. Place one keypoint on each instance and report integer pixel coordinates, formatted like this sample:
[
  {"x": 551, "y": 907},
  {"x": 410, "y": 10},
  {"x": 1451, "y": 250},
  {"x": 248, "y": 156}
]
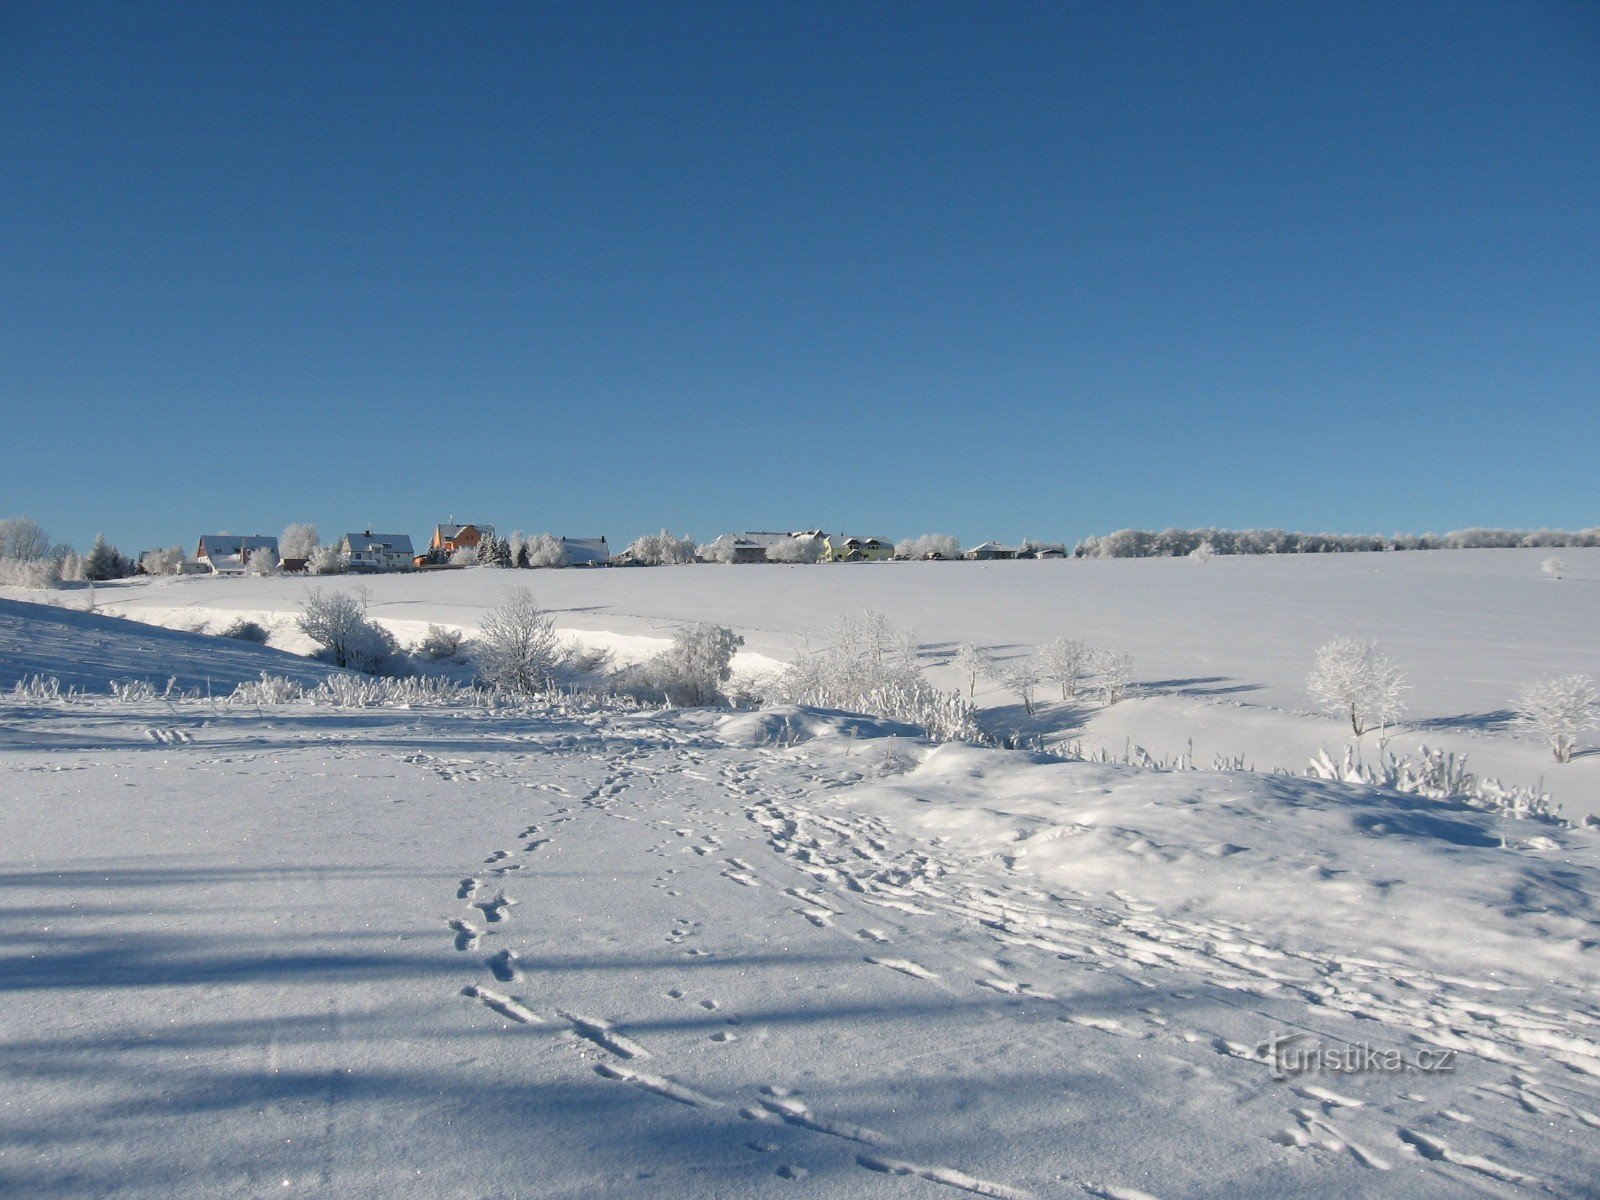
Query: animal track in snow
[
  {"x": 495, "y": 910},
  {"x": 466, "y": 934},
  {"x": 905, "y": 966},
  {"x": 1438, "y": 1150},
  {"x": 947, "y": 1176},
  {"x": 873, "y": 935},
  {"x": 498, "y": 856},
  {"x": 786, "y": 1108},
  {"x": 658, "y": 1085},
  {"x": 469, "y": 888},
  {"x": 504, "y": 966},
  {"x": 506, "y": 1006}
]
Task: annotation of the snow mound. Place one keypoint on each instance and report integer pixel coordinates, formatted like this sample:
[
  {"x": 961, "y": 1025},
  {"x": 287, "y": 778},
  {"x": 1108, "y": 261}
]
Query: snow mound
[
  {"x": 88, "y": 651},
  {"x": 791, "y": 724}
]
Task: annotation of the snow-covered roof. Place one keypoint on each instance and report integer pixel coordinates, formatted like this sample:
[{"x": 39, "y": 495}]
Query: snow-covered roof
[
  {"x": 399, "y": 543},
  {"x": 992, "y": 547},
  {"x": 586, "y": 550},
  {"x": 840, "y": 540},
  {"x": 442, "y": 532},
  {"x": 216, "y": 545}
]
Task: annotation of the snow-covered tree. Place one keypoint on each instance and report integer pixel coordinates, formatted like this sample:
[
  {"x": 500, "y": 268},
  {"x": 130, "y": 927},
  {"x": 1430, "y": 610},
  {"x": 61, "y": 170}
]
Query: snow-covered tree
[
  {"x": 1558, "y": 710},
  {"x": 691, "y": 673},
  {"x": 723, "y": 550},
  {"x": 1204, "y": 552},
  {"x": 517, "y": 548},
  {"x": 657, "y": 549},
  {"x": 1112, "y": 674},
  {"x": 338, "y": 623},
  {"x": 972, "y": 664},
  {"x": 1356, "y": 680},
  {"x": 21, "y": 538},
  {"x": 1066, "y": 663},
  {"x": 162, "y": 562},
  {"x": 802, "y": 549},
  {"x": 298, "y": 541},
  {"x": 263, "y": 561},
  {"x": 41, "y": 573},
  {"x": 104, "y": 561},
  {"x": 464, "y": 556},
  {"x": 928, "y": 545},
  {"x": 1020, "y": 677},
  {"x": 441, "y": 643},
  {"x": 545, "y": 550},
  {"x": 326, "y": 560},
  {"x": 516, "y": 649}
]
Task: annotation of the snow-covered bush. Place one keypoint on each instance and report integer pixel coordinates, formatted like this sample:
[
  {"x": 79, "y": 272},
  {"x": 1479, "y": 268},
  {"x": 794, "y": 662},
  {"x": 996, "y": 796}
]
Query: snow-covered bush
[
  {"x": 464, "y": 556},
  {"x": 30, "y": 572},
  {"x": 1558, "y": 710},
  {"x": 1066, "y": 663},
  {"x": 441, "y": 643},
  {"x": 269, "y": 689},
  {"x": 1204, "y": 552},
  {"x": 795, "y": 550},
  {"x": 132, "y": 691},
  {"x": 867, "y": 666},
  {"x": 263, "y": 561},
  {"x": 972, "y": 664},
  {"x": 162, "y": 562},
  {"x": 326, "y": 560},
  {"x": 545, "y": 550},
  {"x": 41, "y": 687},
  {"x": 928, "y": 545},
  {"x": 298, "y": 541},
  {"x": 246, "y": 630},
  {"x": 345, "y": 636},
  {"x": 1356, "y": 680},
  {"x": 658, "y": 549},
  {"x": 516, "y": 649},
  {"x": 692, "y": 671},
  {"x": 1020, "y": 677},
  {"x": 1438, "y": 775}
]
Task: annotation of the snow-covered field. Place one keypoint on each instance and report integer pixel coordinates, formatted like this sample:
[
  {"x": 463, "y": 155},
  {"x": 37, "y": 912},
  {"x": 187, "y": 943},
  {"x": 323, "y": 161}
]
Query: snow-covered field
[
  {"x": 591, "y": 950},
  {"x": 1221, "y": 649}
]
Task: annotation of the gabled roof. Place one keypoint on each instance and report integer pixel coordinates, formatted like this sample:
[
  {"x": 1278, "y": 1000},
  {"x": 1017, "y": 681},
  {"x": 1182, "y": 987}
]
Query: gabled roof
[
  {"x": 586, "y": 550},
  {"x": 441, "y": 532},
  {"x": 214, "y": 545},
  {"x": 992, "y": 546},
  {"x": 839, "y": 541},
  {"x": 398, "y": 543}
]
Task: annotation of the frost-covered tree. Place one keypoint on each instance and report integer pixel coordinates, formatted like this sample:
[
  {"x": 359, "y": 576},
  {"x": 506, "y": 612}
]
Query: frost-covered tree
[
  {"x": 545, "y": 550},
  {"x": 338, "y": 623},
  {"x": 441, "y": 643},
  {"x": 1356, "y": 680},
  {"x": 658, "y": 549},
  {"x": 516, "y": 649},
  {"x": 464, "y": 556},
  {"x": 1204, "y": 552},
  {"x": 1020, "y": 677},
  {"x": 1112, "y": 674},
  {"x": 41, "y": 573},
  {"x": 22, "y": 538},
  {"x": 104, "y": 562},
  {"x": 972, "y": 664},
  {"x": 263, "y": 561},
  {"x": 326, "y": 560},
  {"x": 691, "y": 673},
  {"x": 1558, "y": 710},
  {"x": 801, "y": 549},
  {"x": 723, "y": 550},
  {"x": 517, "y": 548},
  {"x": 162, "y": 562},
  {"x": 1066, "y": 663},
  {"x": 298, "y": 541},
  {"x": 928, "y": 545}
]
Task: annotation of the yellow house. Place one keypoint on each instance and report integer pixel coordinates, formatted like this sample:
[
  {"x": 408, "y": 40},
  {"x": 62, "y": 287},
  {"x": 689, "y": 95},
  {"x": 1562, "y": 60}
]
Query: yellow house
[{"x": 838, "y": 548}]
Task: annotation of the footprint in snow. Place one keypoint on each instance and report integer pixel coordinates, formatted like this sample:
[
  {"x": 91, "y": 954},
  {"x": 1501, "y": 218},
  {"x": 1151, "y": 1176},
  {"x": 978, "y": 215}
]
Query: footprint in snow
[
  {"x": 504, "y": 966},
  {"x": 466, "y": 934}
]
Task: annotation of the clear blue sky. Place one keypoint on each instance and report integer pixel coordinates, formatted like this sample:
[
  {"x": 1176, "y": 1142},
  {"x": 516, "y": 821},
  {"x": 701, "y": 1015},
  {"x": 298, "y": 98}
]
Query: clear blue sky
[{"x": 991, "y": 269}]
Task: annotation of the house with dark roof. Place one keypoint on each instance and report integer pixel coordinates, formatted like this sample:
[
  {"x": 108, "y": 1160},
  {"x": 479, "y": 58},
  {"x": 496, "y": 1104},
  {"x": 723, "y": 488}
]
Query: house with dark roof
[{"x": 368, "y": 551}]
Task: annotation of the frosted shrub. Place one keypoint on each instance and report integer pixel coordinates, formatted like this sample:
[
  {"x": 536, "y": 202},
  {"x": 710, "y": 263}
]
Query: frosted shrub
[
  {"x": 338, "y": 623},
  {"x": 269, "y": 689},
  {"x": 929, "y": 545},
  {"x": 657, "y": 549},
  {"x": 247, "y": 631},
  {"x": 869, "y": 667},
  {"x": 263, "y": 561},
  {"x": 1358, "y": 681},
  {"x": 1066, "y": 663},
  {"x": 545, "y": 550},
  {"x": 131, "y": 691},
  {"x": 466, "y": 556},
  {"x": 1438, "y": 775},
  {"x": 1203, "y": 553},
  {"x": 40, "y": 687},
  {"x": 162, "y": 562},
  {"x": 516, "y": 650},
  {"x": 723, "y": 550},
  {"x": 691, "y": 673},
  {"x": 1558, "y": 710},
  {"x": 441, "y": 644},
  {"x": 40, "y": 573},
  {"x": 1113, "y": 675}
]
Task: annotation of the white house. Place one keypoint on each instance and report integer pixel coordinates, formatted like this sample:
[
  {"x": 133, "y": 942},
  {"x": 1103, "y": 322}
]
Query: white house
[
  {"x": 229, "y": 553},
  {"x": 586, "y": 552},
  {"x": 368, "y": 551}
]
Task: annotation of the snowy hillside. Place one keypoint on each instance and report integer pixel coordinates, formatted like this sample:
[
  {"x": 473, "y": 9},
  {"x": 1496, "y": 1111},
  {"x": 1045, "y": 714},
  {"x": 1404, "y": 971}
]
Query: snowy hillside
[
  {"x": 1220, "y": 649},
  {"x": 573, "y": 952}
]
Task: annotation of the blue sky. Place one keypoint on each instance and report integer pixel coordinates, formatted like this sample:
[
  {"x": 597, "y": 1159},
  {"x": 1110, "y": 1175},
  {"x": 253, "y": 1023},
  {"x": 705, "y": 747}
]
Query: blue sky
[{"x": 991, "y": 269}]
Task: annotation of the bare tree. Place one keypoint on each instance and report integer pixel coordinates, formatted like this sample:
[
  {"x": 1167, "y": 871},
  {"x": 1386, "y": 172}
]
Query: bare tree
[
  {"x": 1355, "y": 679},
  {"x": 1558, "y": 710}
]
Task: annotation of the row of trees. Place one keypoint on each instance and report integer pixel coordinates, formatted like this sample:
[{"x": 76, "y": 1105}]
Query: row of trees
[
  {"x": 1173, "y": 543},
  {"x": 28, "y": 558},
  {"x": 1073, "y": 666}
]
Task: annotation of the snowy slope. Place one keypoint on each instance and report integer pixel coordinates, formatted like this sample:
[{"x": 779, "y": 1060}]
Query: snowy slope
[
  {"x": 1221, "y": 648},
  {"x": 89, "y": 651},
  {"x": 431, "y": 954}
]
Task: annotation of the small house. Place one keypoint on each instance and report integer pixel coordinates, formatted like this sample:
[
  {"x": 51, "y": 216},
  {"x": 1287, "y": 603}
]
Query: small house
[
  {"x": 839, "y": 548},
  {"x": 989, "y": 551},
  {"x": 1032, "y": 549},
  {"x": 229, "y": 553},
  {"x": 368, "y": 551}
]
